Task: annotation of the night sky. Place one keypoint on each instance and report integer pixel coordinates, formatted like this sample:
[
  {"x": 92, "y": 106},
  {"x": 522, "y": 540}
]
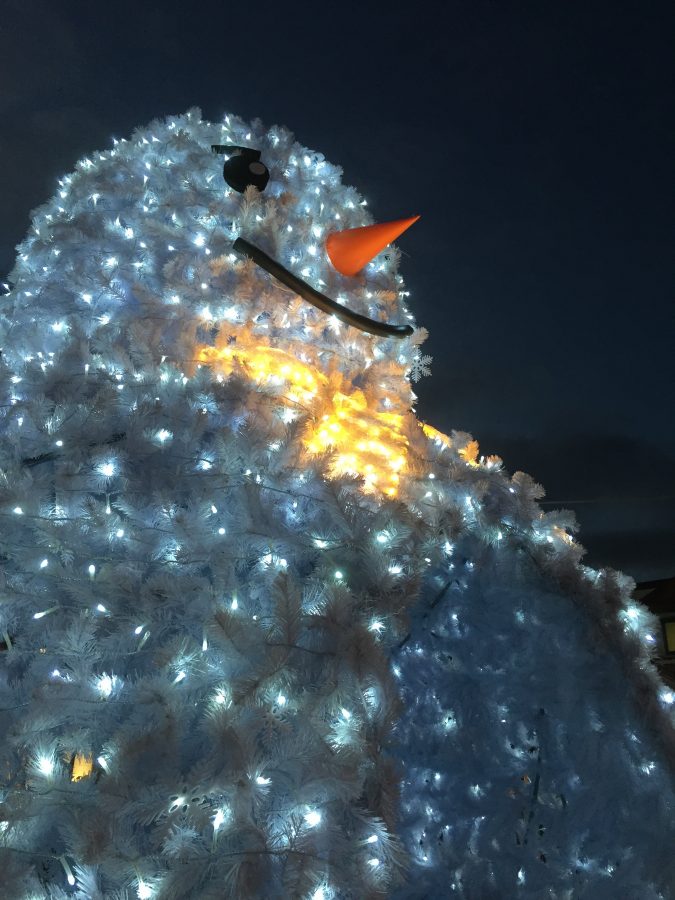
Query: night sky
[{"x": 537, "y": 141}]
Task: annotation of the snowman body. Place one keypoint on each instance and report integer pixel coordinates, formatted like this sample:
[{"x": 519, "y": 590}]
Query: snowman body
[{"x": 250, "y": 603}]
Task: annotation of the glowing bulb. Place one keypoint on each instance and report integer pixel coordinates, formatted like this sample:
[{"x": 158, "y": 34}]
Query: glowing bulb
[
  {"x": 313, "y": 817},
  {"x": 319, "y": 894},
  {"x": 46, "y": 765},
  {"x": 107, "y": 469},
  {"x": 374, "y": 862},
  {"x": 44, "y": 612},
  {"x": 105, "y": 684},
  {"x": 119, "y": 533},
  {"x": 138, "y": 629},
  {"x": 18, "y": 510},
  {"x": 339, "y": 576},
  {"x": 221, "y": 531},
  {"x": 219, "y": 819},
  {"x": 234, "y": 604},
  {"x": 44, "y": 563},
  {"x": 144, "y": 891},
  {"x": 372, "y": 839},
  {"x": 179, "y": 677},
  {"x": 281, "y": 700},
  {"x": 92, "y": 572},
  {"x": 261, "y": 780}
]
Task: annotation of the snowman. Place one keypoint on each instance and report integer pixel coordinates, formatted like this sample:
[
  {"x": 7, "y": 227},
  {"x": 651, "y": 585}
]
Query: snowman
[{"x": 262, "y": 632}]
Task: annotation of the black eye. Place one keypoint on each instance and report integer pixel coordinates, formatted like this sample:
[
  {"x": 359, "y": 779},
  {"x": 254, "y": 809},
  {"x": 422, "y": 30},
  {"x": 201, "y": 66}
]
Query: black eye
[{"x": 243, "y": 167}]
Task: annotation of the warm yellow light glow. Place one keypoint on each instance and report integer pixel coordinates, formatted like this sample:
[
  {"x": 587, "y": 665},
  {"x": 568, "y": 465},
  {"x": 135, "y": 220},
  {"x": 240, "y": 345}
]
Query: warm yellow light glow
[
  {"x": 435, "y": 435},
  {"x": 268, "y": 366},
  {"x": 83, "y": 766},
  {"x": 364, "y": 440}
]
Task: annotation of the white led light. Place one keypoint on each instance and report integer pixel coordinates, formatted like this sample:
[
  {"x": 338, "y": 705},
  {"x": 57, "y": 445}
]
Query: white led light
[
  {"x": 281, "y": 700},
  {"x": 44, "y": 563},
  {"x": 219, "y": 819},
  {"x": 372, "y": 839},
  {"x": 46, "y": 765},
  {"x": 234, "y": 604},
  {"x": 18, "y": 510},
  {"x": 221, "y": 531},
  {"x": 261, "y": 780},
  {"x": 179, "y": 677},
  {"x": 105, "y": 684},
  {"x": 107, "y": 469},
  {"x": 119, "y": 533},
  {"x": 313, "y": 817},
  {"x": 144, "y": 891},
  {"x": 373, "y": 862}
]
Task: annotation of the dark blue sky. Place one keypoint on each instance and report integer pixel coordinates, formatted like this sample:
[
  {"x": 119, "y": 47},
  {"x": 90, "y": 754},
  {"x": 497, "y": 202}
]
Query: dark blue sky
[{"x": 535, "y": 138}]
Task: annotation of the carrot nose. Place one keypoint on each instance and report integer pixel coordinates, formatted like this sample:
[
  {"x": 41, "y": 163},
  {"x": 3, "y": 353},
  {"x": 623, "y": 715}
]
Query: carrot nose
[{"x": 352, "y": 249}]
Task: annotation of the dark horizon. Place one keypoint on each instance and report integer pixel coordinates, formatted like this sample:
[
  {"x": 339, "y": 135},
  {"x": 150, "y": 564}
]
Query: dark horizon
[{"x": 537, "y": 144}]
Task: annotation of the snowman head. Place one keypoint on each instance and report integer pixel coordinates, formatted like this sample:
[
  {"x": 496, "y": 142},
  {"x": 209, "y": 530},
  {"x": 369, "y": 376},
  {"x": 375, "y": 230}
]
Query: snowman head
[{"x": 147, "y": 256}]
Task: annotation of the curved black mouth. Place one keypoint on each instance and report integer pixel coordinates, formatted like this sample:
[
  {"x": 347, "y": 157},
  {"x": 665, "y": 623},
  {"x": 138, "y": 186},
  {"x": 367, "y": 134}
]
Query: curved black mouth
[{"x": 316, "y": 298}]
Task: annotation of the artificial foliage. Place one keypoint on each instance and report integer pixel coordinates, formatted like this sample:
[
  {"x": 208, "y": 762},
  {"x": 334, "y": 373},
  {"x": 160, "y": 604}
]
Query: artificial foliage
[{"x": 262, "y": 633}]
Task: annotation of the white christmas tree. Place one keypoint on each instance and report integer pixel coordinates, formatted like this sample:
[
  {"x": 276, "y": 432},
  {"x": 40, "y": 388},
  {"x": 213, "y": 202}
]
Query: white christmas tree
[{"x": 262, "y": 633}]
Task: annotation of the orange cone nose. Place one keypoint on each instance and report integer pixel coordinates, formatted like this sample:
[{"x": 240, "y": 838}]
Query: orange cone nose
[{"x": 352, "y": 249}]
